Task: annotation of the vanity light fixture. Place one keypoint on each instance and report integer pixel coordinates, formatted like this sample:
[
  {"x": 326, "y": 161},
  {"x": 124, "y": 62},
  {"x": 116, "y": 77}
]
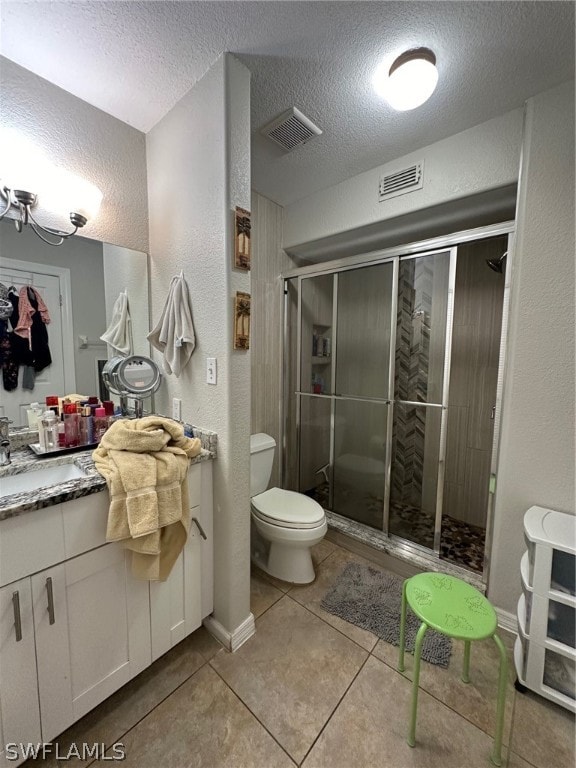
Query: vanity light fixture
[
  {"x": 23, "y": 201},
  {"x": 410, "y": 81},
  {"x": 27, "y": 177}
]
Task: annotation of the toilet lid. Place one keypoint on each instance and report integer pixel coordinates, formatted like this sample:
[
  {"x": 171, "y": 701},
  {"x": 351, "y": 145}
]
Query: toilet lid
[{"x": 288, "y": 508}]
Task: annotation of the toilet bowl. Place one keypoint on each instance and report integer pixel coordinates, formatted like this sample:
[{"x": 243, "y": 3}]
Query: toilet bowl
[{"x": 285, "y": 524}]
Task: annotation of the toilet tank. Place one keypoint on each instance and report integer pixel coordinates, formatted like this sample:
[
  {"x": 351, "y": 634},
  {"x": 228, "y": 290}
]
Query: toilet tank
[{"x": 261, "y": 457}]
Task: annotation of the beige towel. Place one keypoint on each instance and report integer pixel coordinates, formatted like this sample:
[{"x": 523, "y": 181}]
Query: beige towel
[{"x": 145, "y": 463}]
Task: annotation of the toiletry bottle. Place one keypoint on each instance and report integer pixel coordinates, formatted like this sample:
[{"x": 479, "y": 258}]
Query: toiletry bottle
[
  {"x": 49, "y": 427},
  {"x": 52, "y": 403},
  {"x": 34, "y": 413},
  {"x": 71, "y": 426},
  {"x": 61, "y": 432},
  {"x": 100, "y": 424},
  {"x": 86, "y": 426}
]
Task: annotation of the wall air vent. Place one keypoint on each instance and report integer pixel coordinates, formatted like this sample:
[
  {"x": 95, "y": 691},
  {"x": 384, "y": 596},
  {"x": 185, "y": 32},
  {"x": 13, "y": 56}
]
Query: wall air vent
[
  {"x": 290, "y": 129},
  {"x": 400, "y": 182}
]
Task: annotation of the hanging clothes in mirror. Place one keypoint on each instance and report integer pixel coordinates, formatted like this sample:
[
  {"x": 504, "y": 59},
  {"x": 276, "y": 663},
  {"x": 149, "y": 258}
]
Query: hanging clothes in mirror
[{"x": 29, "y": 340}]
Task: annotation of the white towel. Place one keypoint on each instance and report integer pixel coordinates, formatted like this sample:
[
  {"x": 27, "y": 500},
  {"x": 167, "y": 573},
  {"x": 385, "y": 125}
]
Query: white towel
[
  {"x": 119, "y": 332},
  {"x": 174, "y": 335}
]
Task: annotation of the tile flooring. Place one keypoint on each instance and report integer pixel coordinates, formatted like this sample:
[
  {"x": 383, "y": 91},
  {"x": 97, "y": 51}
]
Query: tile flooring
[{"x": 310, "y": 689}]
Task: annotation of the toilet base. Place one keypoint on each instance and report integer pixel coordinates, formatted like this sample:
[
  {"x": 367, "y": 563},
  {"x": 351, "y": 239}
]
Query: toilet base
[{"x": 287, "y": 564}]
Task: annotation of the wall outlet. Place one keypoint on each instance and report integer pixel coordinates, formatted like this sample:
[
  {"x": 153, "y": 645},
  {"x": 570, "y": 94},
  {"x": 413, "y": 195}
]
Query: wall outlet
[
  {"x": 176, "y": 409},
  {"x": 211, "y": 370}
]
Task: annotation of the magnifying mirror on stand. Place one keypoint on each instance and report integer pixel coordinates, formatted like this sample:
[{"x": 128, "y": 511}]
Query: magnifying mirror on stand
[{"x": 135, "y": 376}]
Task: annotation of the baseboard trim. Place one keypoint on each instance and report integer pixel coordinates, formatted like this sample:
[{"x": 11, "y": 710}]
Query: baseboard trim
[
  {"x": 507, "y": 620},
  {"x": 231, "y": 640}
]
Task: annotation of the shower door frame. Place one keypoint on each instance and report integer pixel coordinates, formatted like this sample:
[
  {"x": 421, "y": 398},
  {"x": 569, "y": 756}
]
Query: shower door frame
[{"x": 409, "y": 250}]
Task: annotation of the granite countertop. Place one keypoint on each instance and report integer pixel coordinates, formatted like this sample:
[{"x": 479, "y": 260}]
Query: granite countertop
[{"x": 23, "y": 460}]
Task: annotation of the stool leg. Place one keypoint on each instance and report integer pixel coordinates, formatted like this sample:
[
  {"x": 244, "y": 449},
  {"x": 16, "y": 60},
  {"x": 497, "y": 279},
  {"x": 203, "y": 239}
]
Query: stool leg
[
  {"x": 466, "y": 667},
  {"x": 496, "y": 756},
  {"x": 415, "y": 680},
  {"x": 402, "y": 628}
]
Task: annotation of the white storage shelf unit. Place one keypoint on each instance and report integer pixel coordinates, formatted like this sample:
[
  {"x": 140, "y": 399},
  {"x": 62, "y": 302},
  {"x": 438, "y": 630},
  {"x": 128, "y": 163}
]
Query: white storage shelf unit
[{"x": 545, "y": 650}]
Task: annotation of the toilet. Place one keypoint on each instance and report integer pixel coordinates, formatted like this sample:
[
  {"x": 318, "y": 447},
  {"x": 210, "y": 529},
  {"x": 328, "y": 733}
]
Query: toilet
[{"x": 285, "y": 524}]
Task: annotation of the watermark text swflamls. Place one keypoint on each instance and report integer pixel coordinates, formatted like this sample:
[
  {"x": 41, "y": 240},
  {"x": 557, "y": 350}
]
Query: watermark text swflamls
[{"x": 84, "y": 751}]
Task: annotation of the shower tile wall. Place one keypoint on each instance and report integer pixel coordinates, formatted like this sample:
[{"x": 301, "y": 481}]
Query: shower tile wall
[
  {"x": 268, "y": 262},
  {"x": 411, "y": 378},
  {"x": 473, "y": 378},
  {"x": 420, "y": 346}
]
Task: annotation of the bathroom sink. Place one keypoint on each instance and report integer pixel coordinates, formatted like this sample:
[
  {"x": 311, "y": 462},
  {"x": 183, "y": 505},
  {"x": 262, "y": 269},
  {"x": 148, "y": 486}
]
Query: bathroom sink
[{"x": 39, "y": 478}]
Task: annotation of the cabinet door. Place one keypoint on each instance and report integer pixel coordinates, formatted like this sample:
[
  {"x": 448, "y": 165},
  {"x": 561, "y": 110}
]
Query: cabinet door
[
  {"x": 19, "y": 709},
  {"x": 175, "y": 604},
  {"x": 107, "y": 616},
  {"x": 53, "y": 650}
]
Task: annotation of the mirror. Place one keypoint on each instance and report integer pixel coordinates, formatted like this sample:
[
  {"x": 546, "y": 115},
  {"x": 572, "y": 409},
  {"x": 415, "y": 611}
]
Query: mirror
[{"x": 80, "y": 282}]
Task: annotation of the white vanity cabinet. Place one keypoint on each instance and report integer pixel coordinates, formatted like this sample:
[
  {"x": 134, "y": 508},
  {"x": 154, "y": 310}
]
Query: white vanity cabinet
[
  {"x": 178, "y": 605},
  {"x": 19, "y": 706},
  {"x": 91, "y": 626},
  {"x": 79, "y": 627}
]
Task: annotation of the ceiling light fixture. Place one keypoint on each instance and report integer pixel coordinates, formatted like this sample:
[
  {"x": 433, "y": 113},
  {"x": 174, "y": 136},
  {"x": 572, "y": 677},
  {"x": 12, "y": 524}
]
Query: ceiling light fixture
[
  {"x": 27, "y": 177},
  {"x": 410, "y": 81}
]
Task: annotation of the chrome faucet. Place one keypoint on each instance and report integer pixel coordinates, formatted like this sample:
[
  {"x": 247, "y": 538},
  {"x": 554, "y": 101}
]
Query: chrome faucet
[{"x": 4, "y": 442}]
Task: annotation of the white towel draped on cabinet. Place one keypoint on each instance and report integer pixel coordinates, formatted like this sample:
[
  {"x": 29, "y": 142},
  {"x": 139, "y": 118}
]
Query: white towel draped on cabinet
[
  {"x": 174, "y": 335},
  {"x": 119, "y": 332}
]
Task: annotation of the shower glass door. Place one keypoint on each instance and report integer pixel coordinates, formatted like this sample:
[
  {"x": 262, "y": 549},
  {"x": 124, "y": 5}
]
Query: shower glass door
[
  {"x": 422, "y": 359},
  {"x": 370, "y": 391},
  {"x": 363, "y": 386},
  {"x": 345, "y": 382},
  {"x": 315, "y": 377}
]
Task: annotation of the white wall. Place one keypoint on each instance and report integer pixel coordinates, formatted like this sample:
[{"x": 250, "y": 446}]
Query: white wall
[
  {"x": 88, "y": 142},
  {"x": 198, "y": 170},
  {"x": 481, "y": 158},
  {"x": 537, "y": 444}
]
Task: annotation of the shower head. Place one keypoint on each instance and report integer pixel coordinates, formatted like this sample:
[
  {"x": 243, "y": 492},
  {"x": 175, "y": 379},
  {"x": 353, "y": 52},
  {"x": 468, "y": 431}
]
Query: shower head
[{"x": 497, "y": 264}]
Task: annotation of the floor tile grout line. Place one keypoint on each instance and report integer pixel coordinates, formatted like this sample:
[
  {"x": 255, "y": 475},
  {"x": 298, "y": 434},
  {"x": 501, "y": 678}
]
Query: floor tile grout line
[
  {"x": 282, "y": 594},
  {"x": 254, "y": 715},
  {"x": 371, "y": 653},
  {"x": 340, "y": 700},
  {"x": 172, "y": 692},
  {"x": 333, "y": 627},
  {"x": 448, "y": 706}
]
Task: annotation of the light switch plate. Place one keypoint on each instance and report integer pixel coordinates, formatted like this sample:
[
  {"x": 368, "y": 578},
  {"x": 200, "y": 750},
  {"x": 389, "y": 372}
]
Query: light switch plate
[
  {"x": 211, "y": 370},
  {"x": 177, "y": 409}
]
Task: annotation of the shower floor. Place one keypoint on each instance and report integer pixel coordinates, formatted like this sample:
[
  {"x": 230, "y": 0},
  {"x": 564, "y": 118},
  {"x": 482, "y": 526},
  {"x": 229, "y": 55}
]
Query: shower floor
[{"x": 460, "y": 542}]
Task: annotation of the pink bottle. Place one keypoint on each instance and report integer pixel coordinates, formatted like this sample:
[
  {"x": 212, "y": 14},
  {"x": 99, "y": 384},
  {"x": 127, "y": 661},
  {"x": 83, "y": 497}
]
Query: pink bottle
[{"x": 100, "y": 424}]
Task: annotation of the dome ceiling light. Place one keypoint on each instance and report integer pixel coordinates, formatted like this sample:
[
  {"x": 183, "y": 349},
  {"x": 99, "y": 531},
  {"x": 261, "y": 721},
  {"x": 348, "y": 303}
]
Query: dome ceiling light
[{"x": 410, "y": 81}]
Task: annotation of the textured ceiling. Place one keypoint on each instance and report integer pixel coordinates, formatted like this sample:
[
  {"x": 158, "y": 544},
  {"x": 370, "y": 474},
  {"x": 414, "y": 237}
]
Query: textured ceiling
[{"x": 135, "y": 60}]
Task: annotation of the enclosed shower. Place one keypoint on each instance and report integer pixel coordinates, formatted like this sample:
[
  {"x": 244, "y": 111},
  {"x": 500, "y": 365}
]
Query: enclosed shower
[{"x": 391, "y": 392}]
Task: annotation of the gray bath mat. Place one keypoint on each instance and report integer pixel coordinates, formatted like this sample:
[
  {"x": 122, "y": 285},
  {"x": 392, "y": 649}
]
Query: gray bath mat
[{"x": 372, "y": 599}]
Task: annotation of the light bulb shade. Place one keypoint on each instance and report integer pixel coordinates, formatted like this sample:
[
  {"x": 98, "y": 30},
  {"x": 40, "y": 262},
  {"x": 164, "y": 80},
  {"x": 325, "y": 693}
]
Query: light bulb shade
[
  {"x": 71, "y": 194},
  {"x": 411, "y": 80},
  {"x": 22, "y": 164}
]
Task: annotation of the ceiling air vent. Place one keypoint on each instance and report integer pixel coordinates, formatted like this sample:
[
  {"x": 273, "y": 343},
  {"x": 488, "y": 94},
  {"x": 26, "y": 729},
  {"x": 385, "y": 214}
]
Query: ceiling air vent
[
  {"x": 291, "y": 129},
  {"x": 400, "y": 182}
]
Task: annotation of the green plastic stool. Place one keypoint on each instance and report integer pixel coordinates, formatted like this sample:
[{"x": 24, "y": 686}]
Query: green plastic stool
[{"x": 456, "y": 609}]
